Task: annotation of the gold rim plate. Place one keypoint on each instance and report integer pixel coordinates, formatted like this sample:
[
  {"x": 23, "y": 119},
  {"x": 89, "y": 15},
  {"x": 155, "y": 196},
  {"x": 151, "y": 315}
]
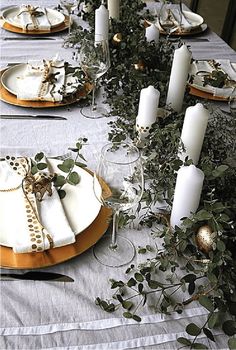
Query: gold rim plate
[
  {"x": 8, "y": 97},
  {"x": 85, "y": 240},
  {"x": 63, "y": 26},
  {"x": 206, "y": 95}
]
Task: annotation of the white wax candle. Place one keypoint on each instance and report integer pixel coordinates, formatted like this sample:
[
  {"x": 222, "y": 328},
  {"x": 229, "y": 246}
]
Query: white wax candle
[
  {"x": 178, "y": 78},
  {"x": 193, "y": 132},
  {"x": 152, "y": 33},
  {"x": 187, "y": 194},
  {"x": 113, "y": 8},
  {"x": 148, "y": 104},
  {"x": 101, "y": 22},
  {"x": 147, "y": 110}
]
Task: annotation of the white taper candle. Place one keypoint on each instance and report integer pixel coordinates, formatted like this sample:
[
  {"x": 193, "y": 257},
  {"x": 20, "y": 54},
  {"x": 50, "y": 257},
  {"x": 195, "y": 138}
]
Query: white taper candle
[
  {"x": 187, "y": 194},
  {"x": 113, "y": 8},
  {"x": 178, "y": 78},
  {"x": 101, "y": 22},
  {"x": 193, "y": 132}
]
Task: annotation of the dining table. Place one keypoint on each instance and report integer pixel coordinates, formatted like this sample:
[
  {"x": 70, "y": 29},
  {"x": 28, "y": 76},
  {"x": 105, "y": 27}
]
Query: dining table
[{"x": 62, "y": 315}]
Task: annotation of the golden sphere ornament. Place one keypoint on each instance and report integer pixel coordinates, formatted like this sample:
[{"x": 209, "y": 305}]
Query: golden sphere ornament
[
  {"x": 205, "y": 239},
  {"x": 117, "y": 38},
  {"x": 140, "y": 65}
]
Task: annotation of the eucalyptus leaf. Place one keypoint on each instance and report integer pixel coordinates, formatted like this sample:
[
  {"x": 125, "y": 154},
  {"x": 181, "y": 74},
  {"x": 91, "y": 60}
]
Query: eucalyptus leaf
[
  {"x": 206, "y": 302},
  {"x": 193, "y": 329},
  {"x": 73, "y": 178},
  {"x": 232, "y": 343},
  {"x": 42, "y": 166}
]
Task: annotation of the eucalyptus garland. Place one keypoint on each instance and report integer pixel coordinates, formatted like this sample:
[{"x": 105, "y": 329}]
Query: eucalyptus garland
[{"x": 207, "y": 273}]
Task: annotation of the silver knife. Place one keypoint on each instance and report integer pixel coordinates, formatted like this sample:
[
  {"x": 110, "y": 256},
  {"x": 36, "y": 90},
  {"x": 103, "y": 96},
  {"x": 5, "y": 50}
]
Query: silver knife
[
  {"x": 28, "y": 38},
  {"x": 32, "y": 116},
  {"x": 36, "y": 276}
]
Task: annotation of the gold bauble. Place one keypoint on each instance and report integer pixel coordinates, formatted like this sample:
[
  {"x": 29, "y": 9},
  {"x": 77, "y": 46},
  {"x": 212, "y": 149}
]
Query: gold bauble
[
  {"x": 205, "y": 239},
  {"x": 140, "y": 65},
  {"x": 117, "y": 38}
]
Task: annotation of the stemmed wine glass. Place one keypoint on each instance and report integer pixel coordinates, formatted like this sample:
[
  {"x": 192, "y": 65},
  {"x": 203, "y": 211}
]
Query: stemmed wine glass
[
  {"x": 168, "y": 22},
  {"x": 95, "y": 61},
  {"x": 120, "y": 167},
  {"x": 70, "y": 6}
]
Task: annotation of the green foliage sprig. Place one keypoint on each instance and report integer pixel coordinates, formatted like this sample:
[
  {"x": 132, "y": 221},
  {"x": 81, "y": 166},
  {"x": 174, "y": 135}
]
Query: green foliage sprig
[{"x": 178, "y": 265}]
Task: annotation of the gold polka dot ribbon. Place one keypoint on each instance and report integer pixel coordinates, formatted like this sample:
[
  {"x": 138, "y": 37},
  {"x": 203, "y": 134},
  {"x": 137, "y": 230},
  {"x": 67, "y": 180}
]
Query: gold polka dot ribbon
[{"x": 34, "y": 188}]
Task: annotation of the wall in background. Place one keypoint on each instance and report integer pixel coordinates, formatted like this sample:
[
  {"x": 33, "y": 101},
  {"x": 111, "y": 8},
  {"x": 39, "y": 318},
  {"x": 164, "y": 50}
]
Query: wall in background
[{"x": 213, "y": 12}]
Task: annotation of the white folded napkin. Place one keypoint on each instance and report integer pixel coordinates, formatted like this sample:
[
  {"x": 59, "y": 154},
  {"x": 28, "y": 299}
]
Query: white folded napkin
[
  {"x": 226, "y": 67},
  {"x": 25, "y": 232},
  {"x": 45, "y": 81},
  {"x": 181, "y": 21},
  {"x": 174, "y": 16},
  {"x": 33, "y": 18}
]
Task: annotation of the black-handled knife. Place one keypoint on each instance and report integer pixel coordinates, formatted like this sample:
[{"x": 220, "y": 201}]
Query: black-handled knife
[
  {"x": 32, "y": 116},
  {"x": 36, "y": 276}
]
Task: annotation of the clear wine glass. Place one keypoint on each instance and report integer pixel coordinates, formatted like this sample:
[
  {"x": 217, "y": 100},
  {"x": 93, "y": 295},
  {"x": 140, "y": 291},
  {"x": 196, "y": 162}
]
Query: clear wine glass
[
  {"x": 168, "y": 22},
  {"x": 95, "y": 61},
  {"x": 120, "y": 167},
  {"x": 70, "y": 6}
]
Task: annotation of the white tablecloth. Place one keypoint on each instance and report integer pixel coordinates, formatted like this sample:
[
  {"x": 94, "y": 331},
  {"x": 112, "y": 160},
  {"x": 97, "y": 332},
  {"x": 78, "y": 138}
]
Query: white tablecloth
[{"x": 50, "y": 315}]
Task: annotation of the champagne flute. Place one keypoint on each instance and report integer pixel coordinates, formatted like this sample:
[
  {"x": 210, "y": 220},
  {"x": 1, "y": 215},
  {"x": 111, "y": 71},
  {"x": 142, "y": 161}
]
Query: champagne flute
[
  {"x": 95, "y": 61},
  {"x": 120, "y": 167},
  {"x": 70, "y": 6}
]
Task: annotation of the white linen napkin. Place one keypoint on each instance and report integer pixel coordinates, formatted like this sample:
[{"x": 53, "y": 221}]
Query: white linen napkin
[
  {"x": 45, "y": 81},
  {"x": 33, "y": 22},
  {"x": 18, "y": 222},
  {"x": 181, "y": 21}
]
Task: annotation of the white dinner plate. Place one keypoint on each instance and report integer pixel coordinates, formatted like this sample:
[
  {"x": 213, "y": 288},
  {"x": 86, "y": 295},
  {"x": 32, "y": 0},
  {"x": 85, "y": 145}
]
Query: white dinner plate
[
  {"x": 198, "y": 79},
  {"x": 80, "y": 204},
  {"x": 10, "y": 16},
  {"x": 11, "y": 75}
]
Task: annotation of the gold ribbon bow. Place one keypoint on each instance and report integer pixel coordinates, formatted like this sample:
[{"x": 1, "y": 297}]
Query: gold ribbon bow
[{"x": 33, "y": 12}]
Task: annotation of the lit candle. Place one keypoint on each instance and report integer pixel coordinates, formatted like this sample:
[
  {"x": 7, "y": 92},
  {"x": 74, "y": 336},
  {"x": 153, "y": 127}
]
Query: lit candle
[
  {"x": 152, "y": 33},
  {"x": 147, "y": 110},
  {"x": 113, "y": 8},
  {"x": 101, "y": 22},
  {"x": 193, "y": 132},
  {"x": 178, "y": 78},
  {"x": 187, "y": 194}
]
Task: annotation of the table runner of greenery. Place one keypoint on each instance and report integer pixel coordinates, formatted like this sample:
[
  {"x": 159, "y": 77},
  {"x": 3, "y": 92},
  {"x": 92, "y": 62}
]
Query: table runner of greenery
[{"x": 209, "y": 277}]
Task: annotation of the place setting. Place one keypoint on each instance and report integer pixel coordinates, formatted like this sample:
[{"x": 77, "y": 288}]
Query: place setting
[
  {"x": 174, "y": 21},
  {"x": 19, "y": 20},
  {"x": 56, "y": 212},
  {"x": 213, "y": 79},
  {"x": 44, "y": 83}
]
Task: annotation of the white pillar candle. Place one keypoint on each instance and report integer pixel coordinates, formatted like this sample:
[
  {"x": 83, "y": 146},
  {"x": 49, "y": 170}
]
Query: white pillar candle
[
  {"x": 152, "y": 33},
  {"x": 147, "y": 110},
  {"x": 113, "y": 8},
  {"x": 187, "y": 194},
  {"x": 193, "y": 132},
  {"x": 178, "y": 78},
  {"x": 101, "y": 22}
]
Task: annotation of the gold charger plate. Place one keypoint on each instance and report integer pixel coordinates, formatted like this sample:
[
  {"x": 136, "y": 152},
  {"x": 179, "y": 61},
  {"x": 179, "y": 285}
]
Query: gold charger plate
[
  {"x": 8, "y": 97},
  {"x": 59, "y": 28},
  {"x": 206, "y": 95},
  {"x": 85, "y": 240}
]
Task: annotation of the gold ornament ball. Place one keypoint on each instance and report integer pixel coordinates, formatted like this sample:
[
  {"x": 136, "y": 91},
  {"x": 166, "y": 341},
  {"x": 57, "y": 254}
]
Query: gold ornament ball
[
  {"x": 205, "y": 238},
  {"x": 140, "y": 65},
  {"x": 117, "y": 38}
]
